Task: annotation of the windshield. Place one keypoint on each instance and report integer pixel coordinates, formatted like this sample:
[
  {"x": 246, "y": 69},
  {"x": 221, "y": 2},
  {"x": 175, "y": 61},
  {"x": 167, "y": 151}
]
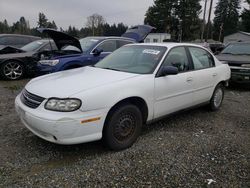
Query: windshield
[
  {"x": 86, "y": 44},
  {"x": 139, "y": 59},
  {"x": 33, "y": 46},
  {"x": 237, "y": 49}
]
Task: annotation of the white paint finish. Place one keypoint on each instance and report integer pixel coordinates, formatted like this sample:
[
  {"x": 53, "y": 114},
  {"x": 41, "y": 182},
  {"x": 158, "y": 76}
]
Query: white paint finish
[
  {"x": 99, "y": 90},
  {"x": 172, "y": 93}
]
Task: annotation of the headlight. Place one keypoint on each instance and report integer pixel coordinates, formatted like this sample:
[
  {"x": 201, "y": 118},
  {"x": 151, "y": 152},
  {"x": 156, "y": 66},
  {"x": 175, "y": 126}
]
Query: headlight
[
  {"x": 246, "y": 65},
  {"x": 49, "y": 62},
  {"x": 63, "y": 105}
]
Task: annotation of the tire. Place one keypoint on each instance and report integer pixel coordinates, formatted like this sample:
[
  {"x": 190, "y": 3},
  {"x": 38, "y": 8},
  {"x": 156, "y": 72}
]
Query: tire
[
  {"x": 122, "y": 127},
  {"x": 217, "y": 98},
  {"x": 12, "y": 70}
]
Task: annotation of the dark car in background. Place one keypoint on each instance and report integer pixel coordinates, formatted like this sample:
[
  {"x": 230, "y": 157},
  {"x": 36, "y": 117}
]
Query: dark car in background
[
  {"x": 16, "y": 40},
  {"x": 237, "y": 56},
  {"x": 86, "y": 51},
  {"x": 40, "y": 46},
  {"x": 17, "y": 62}
]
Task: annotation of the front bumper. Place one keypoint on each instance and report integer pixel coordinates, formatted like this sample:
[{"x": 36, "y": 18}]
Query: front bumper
[
  {"x": 61, "y": 127},
  {"x": 239, "y": 75}
]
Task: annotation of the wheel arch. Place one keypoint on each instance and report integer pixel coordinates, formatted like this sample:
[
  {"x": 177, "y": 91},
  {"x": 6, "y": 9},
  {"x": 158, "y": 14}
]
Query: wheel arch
[{"x": 135, "y": 100}]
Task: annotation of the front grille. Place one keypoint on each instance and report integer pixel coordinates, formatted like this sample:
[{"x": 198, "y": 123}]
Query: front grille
[{"x": 31, "y": 100}]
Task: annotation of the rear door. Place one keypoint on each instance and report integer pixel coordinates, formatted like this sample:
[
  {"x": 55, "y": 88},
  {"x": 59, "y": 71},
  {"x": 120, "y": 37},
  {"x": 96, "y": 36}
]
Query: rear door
[
  {"x": 205, "y": 74},
  {"x": 138, "y": 33},
  {"x": 174, "y": 92}
]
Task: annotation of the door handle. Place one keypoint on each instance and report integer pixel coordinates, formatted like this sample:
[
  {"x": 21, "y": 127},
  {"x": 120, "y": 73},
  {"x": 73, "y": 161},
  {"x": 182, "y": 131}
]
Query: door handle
[
  {"x": 214, "y": 74},
  {"x": 190, "y": 79}
]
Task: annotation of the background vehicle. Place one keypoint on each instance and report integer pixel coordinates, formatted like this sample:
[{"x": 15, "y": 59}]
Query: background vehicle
[
  {"x": 16, "y": 40},
  {"x": 40, "y": 46},
  {"x": 237, "y": 56},
  {"x": 86, "y": 51},
  {"x": 15, "y": 63},
  {"x": 137, "y": 84}
]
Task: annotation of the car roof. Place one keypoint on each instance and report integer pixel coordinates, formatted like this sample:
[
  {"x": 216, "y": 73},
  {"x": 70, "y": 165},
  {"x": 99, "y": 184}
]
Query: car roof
[
  {"x": 19, "y": 35},
  {"x": 168, "y": 44},
  {"x": 109, "y": 37}
]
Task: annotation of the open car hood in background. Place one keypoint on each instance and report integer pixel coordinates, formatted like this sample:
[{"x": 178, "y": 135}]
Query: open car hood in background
[
  {"x": 139, "y": 32},
  {"x": 9, "y": 50},
  {"x": 61, "y": 39}
]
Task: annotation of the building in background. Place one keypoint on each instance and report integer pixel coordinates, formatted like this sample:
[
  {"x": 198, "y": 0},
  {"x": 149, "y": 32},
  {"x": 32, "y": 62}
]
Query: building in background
[
  {"x": 240, "y": 36},
  {"x": 157, "y": 37}
]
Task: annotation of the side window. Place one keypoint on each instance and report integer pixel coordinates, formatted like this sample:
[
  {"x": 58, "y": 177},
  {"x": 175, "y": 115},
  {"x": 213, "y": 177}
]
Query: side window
[
  {"x": 22, "y": 40},
  {"x": 45, "y": 48},
  {"x": 108, "y": 46},
  {"x": 121, "y": 43},
  {"x": 10, "y": 41},
  {"x": 201, "y": 58},
  {"x": 177, "y": 57}
]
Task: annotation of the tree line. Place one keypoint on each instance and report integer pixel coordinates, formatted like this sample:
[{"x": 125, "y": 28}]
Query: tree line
[
  {"x": 181, "y": 19},
  {"x": 95, "y": 26}
]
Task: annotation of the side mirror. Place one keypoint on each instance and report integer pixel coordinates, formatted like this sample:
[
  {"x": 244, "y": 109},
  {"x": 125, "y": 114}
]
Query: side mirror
[
  {"x": 97, "y": 52},
  {"x": 168, "y": 70}
]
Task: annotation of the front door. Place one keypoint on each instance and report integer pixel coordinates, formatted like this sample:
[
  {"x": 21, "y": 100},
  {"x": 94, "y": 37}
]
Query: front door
[{"x": 174, "y": 92}]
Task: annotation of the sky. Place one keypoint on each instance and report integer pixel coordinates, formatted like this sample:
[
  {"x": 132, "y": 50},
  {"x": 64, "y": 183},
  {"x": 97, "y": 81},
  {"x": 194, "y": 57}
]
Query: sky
[{"x": 75, "y": 12}]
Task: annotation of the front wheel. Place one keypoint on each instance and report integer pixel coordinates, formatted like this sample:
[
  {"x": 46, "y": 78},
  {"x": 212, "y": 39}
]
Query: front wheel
[
  {"x": 217, "y": 97},
  {"x": 12, "y": 70},
  {"x": 122, "y": 127}
]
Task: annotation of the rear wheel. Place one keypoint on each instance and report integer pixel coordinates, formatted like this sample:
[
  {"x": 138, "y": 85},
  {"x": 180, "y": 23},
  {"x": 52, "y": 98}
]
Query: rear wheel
[
  {"x": 122, "y": 127},
  {"x": 12, "y": 70},
  {"x": 217, "y": 98}
]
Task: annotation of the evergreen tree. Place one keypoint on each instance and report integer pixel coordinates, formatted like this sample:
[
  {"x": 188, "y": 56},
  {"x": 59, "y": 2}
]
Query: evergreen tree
[
  {"x": 226, "y": 18},
  {"x": 246, "y": 19},
  {"x": 175, "y": 17},
  {"x": 42, "y": 20}
]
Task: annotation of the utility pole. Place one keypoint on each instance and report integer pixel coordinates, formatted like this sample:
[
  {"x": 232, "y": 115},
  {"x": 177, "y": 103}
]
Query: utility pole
[
  {"x": 204, "y": 21},
  {"x": 209, "y": 17},
  {"x": 221, "y": 29}
]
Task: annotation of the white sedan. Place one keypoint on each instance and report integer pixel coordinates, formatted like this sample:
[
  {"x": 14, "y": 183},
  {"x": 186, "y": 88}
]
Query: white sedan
[{"x": 135, "y": 85}]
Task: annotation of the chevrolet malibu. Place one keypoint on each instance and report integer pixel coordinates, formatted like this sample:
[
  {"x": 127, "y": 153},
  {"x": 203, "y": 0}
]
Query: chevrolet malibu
[{"x": 112, "y": 100}]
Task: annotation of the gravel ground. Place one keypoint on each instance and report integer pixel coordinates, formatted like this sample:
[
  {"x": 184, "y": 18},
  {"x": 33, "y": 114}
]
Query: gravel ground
[{"x": 196, "y": 148}]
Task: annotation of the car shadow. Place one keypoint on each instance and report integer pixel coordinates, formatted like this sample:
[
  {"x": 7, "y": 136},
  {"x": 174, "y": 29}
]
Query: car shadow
[{"x": 239, "y": 87}]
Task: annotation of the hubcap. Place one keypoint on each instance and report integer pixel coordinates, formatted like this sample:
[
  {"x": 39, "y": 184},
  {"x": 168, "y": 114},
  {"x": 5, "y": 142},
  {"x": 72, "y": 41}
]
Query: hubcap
[
  {"x": 13, "y": 70},
  {"x": 124, "y": 127},
  {"x": 218, "y": 95}
]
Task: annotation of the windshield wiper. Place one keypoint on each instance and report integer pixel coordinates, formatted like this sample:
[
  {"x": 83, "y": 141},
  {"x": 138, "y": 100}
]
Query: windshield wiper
[{"x": 109, "y": 68}]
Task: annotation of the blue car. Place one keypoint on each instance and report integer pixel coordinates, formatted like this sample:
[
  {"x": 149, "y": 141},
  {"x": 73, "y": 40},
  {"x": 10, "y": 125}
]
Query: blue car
[{"x": 74, "y": 53}]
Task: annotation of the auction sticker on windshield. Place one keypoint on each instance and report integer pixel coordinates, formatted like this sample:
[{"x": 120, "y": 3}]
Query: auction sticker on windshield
[{"x": 150, "y": 51}]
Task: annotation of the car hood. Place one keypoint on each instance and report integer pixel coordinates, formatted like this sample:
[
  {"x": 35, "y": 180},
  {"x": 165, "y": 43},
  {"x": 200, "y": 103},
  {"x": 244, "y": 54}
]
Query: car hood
[
  {"x": 139, "y": 32},
  {"x": 65, "y": 84},
  {"x": 237, "y": 59},
  {"x": 61, "y": 39}
]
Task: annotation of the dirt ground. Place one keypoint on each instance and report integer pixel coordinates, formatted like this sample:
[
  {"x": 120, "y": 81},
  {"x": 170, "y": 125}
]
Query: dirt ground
[{"x": 196, "y": 148}]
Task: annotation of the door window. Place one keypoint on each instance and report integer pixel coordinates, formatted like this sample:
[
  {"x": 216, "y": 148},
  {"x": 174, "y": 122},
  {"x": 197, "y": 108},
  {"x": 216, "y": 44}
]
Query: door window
[
  {"x": 108, "y": 46},
  {"x": 177, "y": 57},
  {"x": 121, "y": 43},
  {"x": 201, "y": 58}
]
